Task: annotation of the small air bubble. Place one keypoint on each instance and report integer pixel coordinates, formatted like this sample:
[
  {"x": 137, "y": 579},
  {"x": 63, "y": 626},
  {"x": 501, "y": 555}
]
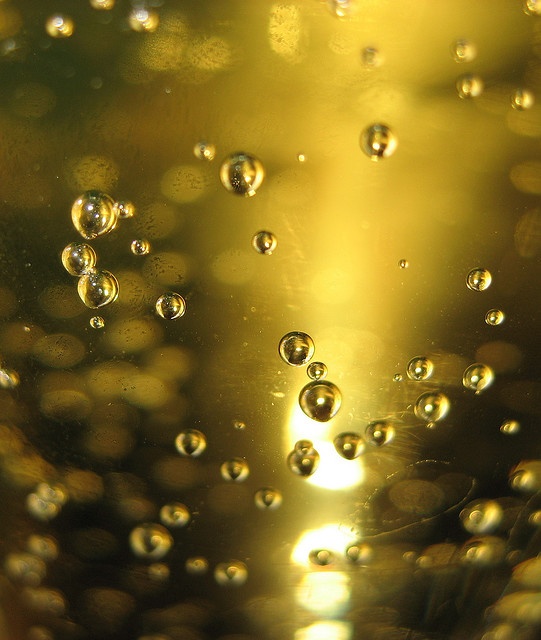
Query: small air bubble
[
  {"x": 242, "y": 174},
  {"x": 150, "y": 541},
  {"x": 140, "y": 247},
  {"x": 96, "y": 322},
  {"x": 478, "y": 377},
  {"x": 304, "y": 459},
  {"x": 378, "y": 142},
  {"x": 469, "y": 86},
  {"x": 59, "y": 26},
  {"x": 264, "y": 242},
  {"x": 98, "y": 288},
  {"x": 479, "y": 279},
  {"x": 235, "y": 470},
  {"x": 522, "y": 99},
  {"x": 510, "y": 427},
  {"x": 79, "y": 258},
  {"x": 494, "y": 317},
  {"x": 191, "y": 442},
  {"x": 419, "y": 368},
  {"x": 463, "y": 51},
  {"x": 296, "y": 348},
  {"x": 170, "y": 306},
  {"x": 403, "y": 264},
  {"x": 432, "y": 407},
  {"x": 320, "y": 400},
  {"x": 94, "y": 214},
  {"x": 204, "y": 151},
  {"x": 317, "y": 370}
]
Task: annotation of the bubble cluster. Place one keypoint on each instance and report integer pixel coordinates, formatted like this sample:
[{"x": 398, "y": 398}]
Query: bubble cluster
[
  {"x": 432, "y": 407},
  {"x": 204, "y": 151},
  {"x": 478, "y": 377},
  {"x": 59, "y": 26},
  {"x": 522, "y": 99},
  {"x": 479, "y": 279},
  {"x": 78, "y": 258},
  {"x": 510, "y": 427},
  {"x": 46, "y": 502},
  {"x": 494, "y": 317},
  {"x": 469, "y": 86},
  {"x": 25, "y": 568},
  {"x": 419, "y": 368},
  {"x": 93, "y": 214},
  {"x": 242, "y": 174},
  {"x": 267, "y": 499},
  {"x": 231, "y": 574},
  {"x": 317, "y": 370},
  {"x": 349, "y": 445},
  {"x": 140, "y": 247},
  {"x": 170, "y": 306},
  {"x": 150, "y": 541},
  {"x": 320, "y": 400},
  {"x": 378, "y": 142},
  {"x": 296, "y": 348},
  {"x": 191, "y": 442},
  {"x": 304, "y": 459},
  {"x": 463, "y": 51},
  {"x": 481, "y": 516},
  {"x": 264, "y": 242},
  {"x": 236, "y": 470},
  {"x": 379, "y": 432},
  {"x": 174, "y": 515},
  {"x": 98, "y": 288},
  {"x": 45, "y": 547}
]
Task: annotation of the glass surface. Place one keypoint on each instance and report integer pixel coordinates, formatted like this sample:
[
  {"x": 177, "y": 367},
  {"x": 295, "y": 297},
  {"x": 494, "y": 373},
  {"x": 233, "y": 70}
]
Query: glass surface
[{"x": 270, "y": 319}]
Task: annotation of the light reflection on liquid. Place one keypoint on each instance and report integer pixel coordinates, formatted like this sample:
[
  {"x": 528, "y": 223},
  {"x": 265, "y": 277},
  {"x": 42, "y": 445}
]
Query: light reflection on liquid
[
  {"x": 335, "y": 629},
  {"x": 332, "y": 537}
]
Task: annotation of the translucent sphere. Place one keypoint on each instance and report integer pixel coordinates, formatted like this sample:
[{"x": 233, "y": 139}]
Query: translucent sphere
[
  {"x": 171, "y": 306},
  {"x": 419, "y": 368},
  {"x": 9, "y": 378},
  {"x": 371, "y": 57},
  {"x": 522, "y": 99},
  {"x": 98, "y": 288},
  {"x": 96, "y": 322},
  {"x": 510, "y": 427},
  {"x": 79, "y": 258},
  {"x": 403, "y": 264},
  {"x": 204, "y": 151},
  {"x": 494, "y": 317},
  {"x": 379, "y": 432},
  {"x": 143, "y": 20},
  {"x": 191, "y": 442},
  {"x": 59, "y": 26},
  {"x": 321, "y": 557},
  {"x": 432, "y": 406},
  {"x": 349, "y": 445},
  {"x": 463, "y": 51},
  {"x": 479, "y": 279},
  {"x": 242, "y": 174},
  {"x": 124, "y": 209},
  {"x": 469, "y": 86},
  {"x": 378, "y": 142},
  {"x": 304, "y": 459},
  {"x": 320, "y": 400},
  {"x": 296, "y": 348},
  {"x": 481, "y": 516},
  {"x": 231, "y": 574},
  {"x": 93, "y": 214},
  {"x": 140, "y": 247},
  {"x": 360, "y": 553},
  {"x": 478, "y": 377},
  {"x": 175, "y": 515},
  {"x": 264, "y": 242},
  {"x": 197, "y": 565},
  {"x": 236, "y": 470},
  {"x": 267, "y": 499},
  {"x": 150, "y": 541},
  {"x": 317, "y": 370}
]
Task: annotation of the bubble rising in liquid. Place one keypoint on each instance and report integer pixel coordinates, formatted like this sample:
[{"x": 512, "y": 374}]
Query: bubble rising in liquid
[
  {"x": 98, "y": 288},
  {"x": 9, "y": 378},
  {"x": 510, "y": 427},
  {"x": 124, "y": 209},
  {"x": 191, "y": 442},
  {"x": 93, "y": 214},
  {"x": 371, "y": 57},
  {"x": 59, "y": 26},
  {"x": 296, "y": 348},
  {"x": 349, "y": 445},
  {"x": 478, "y": 377},
  {"x": 481, "y": 516},
  {"x": 321, "y": 557},
  {"x": 96, "y": 322},
  {"x": 231, "y": 574},
  {"x": 463, "y": 51},
  {"x": 204, "y": 151},
  {"x": 317, "y": 370},
  {"x": 235, "y": 470},
  {"x": 264, "y": 242},
  {"x": 378, "y": 142},
  {"x": 140, "y": 247},
  {"x": 267, "y": 499},
  {"x": 174, "y": 515},
  {"x": 320, "y": 400},
  {"x": 78, "y": 258},
  {"x": 522, "y": 99},
  {"x": 150, "y": 541},
  {"x": 170, "y": 306},
  {"x": 360, "y": 553},
  {"x": 532, "y": 7},
  {"x": 420, "y": 368},
  {"x": 432, "y": 406},
  {"x": 469, "y": 86},
  {"x": 304, "y": 459},
  {"x": 242, "y": 174},
  {"x": 494, "y": 317},
  {"x": 479, "y": 279},
  {"x": 379, "y": 433},
  {"x": 197, "y": 565}
]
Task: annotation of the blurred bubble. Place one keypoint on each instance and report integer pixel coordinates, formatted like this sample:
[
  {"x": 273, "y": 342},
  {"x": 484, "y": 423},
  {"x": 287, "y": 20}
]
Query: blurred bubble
[
  {"x": 132, "y": 335},
  {"x": 93, "y": 214},
  {"x": 463, "y": 51},
  {"x": 185, "y": 183},
  {"x": 360, "y": 553},
  {"x": 98, "y": 288},
  {"x": 285, "y": 32},
  {"x": 417, "y": 496},
  {"x": 510, "y": 427},
  {"x": 494, "y": 317},
  {"x": 9, "y": 378},
  {"x": 349, "y": 445},
  {"x": 371, "y": 57},
  {"x": 46, "y": 501},
  {"x": 432, "y": 407},
  {"x": 378, "y": 141},
  {"x": 170, "y": 306},
  {"x": 25, "y": 568},
  {"x": 239, "y": 425},
  {"x": 143, "y": 20},
  {"x": 398, "y": 377},
  {"x": 124, "y": 209},
  {"x": 479, "y": 279},
  {"x": 174, "y": 514},
  {"x": 403, "y": 264},
  {"x": 33, "y": 100},
  {"x": 532, "y": 7},
  {"x": 59, "y": 26},
  {"x": 317, "y": 370},
  {"x": 150, "y": 541},
  {"x": 525, "y": 477},
  {"x": 140, "y": 247},
  {"x": 45, "y": 601},
  {"x": 103, "y": 5},
  {"x": 469, "y": 86},
  {"x": 267, "y": 499},
  {"x": 235, "y": 469},
  {"x": 159, "y": 572},
  {"x": 197, "y": 565},
  {"x": 341, "y": 8},
  {"x": 483, "y": 551},
  {"x": 478, "y": 377},
  {"x": 522, "y": 99},
  {"x": 296, "y": 348},
  {"x": 242, "y": 174},
  {"x": 304, "y": 459},
  {"x": 59, "y": 350},
  {"x": 321, "y": 557},
  {"x": 379, "y": 432},
  {"x": 481, "y": 516},
  {"x": 42, "y": 546},
  {"x": 231, "y": 574},
  {"x": 191, "y": 442},
  {"x": 204, "y": 151},
  {"x": 84, "y": 486},
  {"x": 419, "y": 368},
  {"x": 264, "y": 242},
  {"x": 79, "y": 258},
  {"x": 320, "y": 400},
  {"x": 94, "y": 173}
]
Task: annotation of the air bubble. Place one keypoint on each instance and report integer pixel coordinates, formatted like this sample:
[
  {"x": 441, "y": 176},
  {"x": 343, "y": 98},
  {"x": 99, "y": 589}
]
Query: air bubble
[
  {"x": 97, "y": 288},
  {"x": 469, "y": 86},
  {"x": 526, "y": 476},
  {"x": 340, "y": 8},
  {"x": 197, "y": 565},
  {"x": 321, "y": 557},
  {"x": 320, "y": 400},
  {"x": 478, "y": 377},
  {"x": 371, "y": 57},
  {"x": 231, "y": 574},
  {"x": 349, "y": 445},
  {"x": 9, "y": 378},
  {"x": 463, "y": 51},
  {"x": 171, "y": 306},
  {"x": 79, "y": 258},
  {"x": 510, "y": 427},
  {"x": 479, "y": 279},
  {"x": 419, "y": 368},
  {"x": 532, "y": 7},
  {"x": 25, "y": 568},
  {"x": 191, "y": 442},
  {"x": 150, "y": 541},
  {"x": 317, "y": 371},
  {"x": 296, "y": 348},
  {"x": 360, "y": 553},
  {"x": 124, "y": 209},
  {"x": 175, "y": 515},
  {"x": 378, "y": 142},
  {"x": 45, "y": 547},
  {"x": 143, "y": 20},
  {"x": 140, "y": 247},
  {"x": 522, "y": 99},
  {"x": 494, "y": 317},
  {"x": 267, "y": 499},
  {"x": 103, "y": 5},
  {"x": 239, "y": 425},
  {"x": 93, "y": 214},
  {"x": 242, "y": 174},
  {"x": 304, "y": 459},
  {"x": 379, "y": 432},
  {"x": 398, "y": 377},
  {"x": 46, "y": 501},
  {"x": 96, "y": 322},
  {"x": 236, "y": 470},
  {"x": 432, "y": 407},
  {"x": 403, "y": 264},
  {"x": 159, "y": 572},
  {"x": 59, "y": 26},
  {"x": 481, "y": 517},
  {"x": 264, "y": 242},
  {"x": 204, "y": 151}
]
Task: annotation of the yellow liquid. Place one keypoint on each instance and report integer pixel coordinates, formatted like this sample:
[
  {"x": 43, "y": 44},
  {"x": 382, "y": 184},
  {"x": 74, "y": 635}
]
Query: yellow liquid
[{"x": 363, "y": 176}]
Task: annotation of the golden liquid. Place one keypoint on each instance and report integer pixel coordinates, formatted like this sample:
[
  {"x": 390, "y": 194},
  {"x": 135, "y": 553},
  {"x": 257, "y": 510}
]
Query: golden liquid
[{"x": 348, "y": 170}]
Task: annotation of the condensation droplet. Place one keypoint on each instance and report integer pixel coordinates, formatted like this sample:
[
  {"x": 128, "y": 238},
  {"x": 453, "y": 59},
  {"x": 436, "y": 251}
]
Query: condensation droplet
[
  {"x": 320, "y": 400},
  {"x": 481, "y": 516},
  {"x": 378, "y": 142},
  {"x": 317, "y": 370},
  {"x": 264, "y": 242},
  {"x": 242, "y": 174},
  {"x": 420, "y": 368},
  {"x": 236, "y": 470},
  {"x": 296, "y": 348},
  {"x": 522, "y": 99},
  {"x": 267, "y": 499},
  {"x": 469, "y": 86},
  {"x": 124, "y": 209},
  {"x": 463, "y": 51},
  {"x": 494, "y": 317},
  {"x": 360, "y": 553},
  {"x": 204, "y": 151},
  {"x": 175, "y": 515},
  {"x": 59, "y": 26},
  {"x": 403, "y": 264},
  {"x": 96, "y": 322},
  {"x": 349, "y": 445},
  {"x": 379, "y": 432},
  {"x": 371, "y": 57},
  {"x": 9, "y": 378},
  {"x": 197, "y": 565},
  {"x": 79, "y": 258},
  {"x": 321, "y": 557},
  {"x": 231, "y": 574},
  {"x": 140, "y": 247},
  {"x": 93, "y": 214},
  {"x": 432, "y": 406},
  {"x": 97, "y": 288},
  {"x": 191, "y": 442},
  {"x": 304, "y": 459},
  {"x": 171, "y": 306},
  {"x": 510, "y": 427},
  {"x": 143, "y": 20},
  {"x": 150, "y": 541},
  {"x": 478, "y": 377},
  {"x": 479, "y": 279}
]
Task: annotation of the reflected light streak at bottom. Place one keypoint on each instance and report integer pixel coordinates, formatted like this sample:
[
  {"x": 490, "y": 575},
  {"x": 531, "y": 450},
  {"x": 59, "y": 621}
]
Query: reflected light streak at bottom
[{"x": 335, "y": 629}]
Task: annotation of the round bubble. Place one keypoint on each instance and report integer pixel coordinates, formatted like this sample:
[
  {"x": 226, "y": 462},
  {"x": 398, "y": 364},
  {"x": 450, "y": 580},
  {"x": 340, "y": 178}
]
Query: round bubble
[
  {"x": 175, "y": 515},
  {"x": 463, "y": 51},
  {"x": 236, "y": 470},
  {"x": 59, "y": 26},
  {"x": 267, "y": 499},
  {"x": 124, "y": 209},
  {"x": 150, "y": 541},
  {"x": 9, "y": 378},
  {"x": 98, "y": 288},
  {"x": 522, "y": 99},
  {"x": 304, "y": 459},
  {"x": 478, "y": 377},
  {"x": 532, "y": 7},
  {"x": 197, "y": 565},
  {"x": 191, "y": 442},
  {"x": 419, "y": 368},
  {"x": 264, "y": 242},
  {"x": 321, "y": 557},
  {"x": 510, "y": 427},
  {"x": 379, "y": 432},
  {"x": 360, "y": 553},
  {"x": 96, "y": 322},
  {"x": 479, "y": 279},
  {"x": 171, "y": 306},
  {"x": 140, "y": 247},
  {"x": 349, "y": 445},
  {"x": 296, "y": 348},
  {"x": 231, "y": 574},
  {"x": 320, "y": 400},
  {"x": 204, "y": 151},
  {"x": 371, "y": 57},
  {"x": 481, "y": 516},
  {"x": 378, "y": 142},
  {"x": 79, "y": 258},
  {"x": 432, "y": 406},
  {"x": 93, "y": 214},
  {"x": 494, "y": 317},
  {"x": 469, "y": 86},
  {"x": 317, "y": 370},
  {"x": 242, "y": 174},
  {"x": 403, "y": 264}
]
